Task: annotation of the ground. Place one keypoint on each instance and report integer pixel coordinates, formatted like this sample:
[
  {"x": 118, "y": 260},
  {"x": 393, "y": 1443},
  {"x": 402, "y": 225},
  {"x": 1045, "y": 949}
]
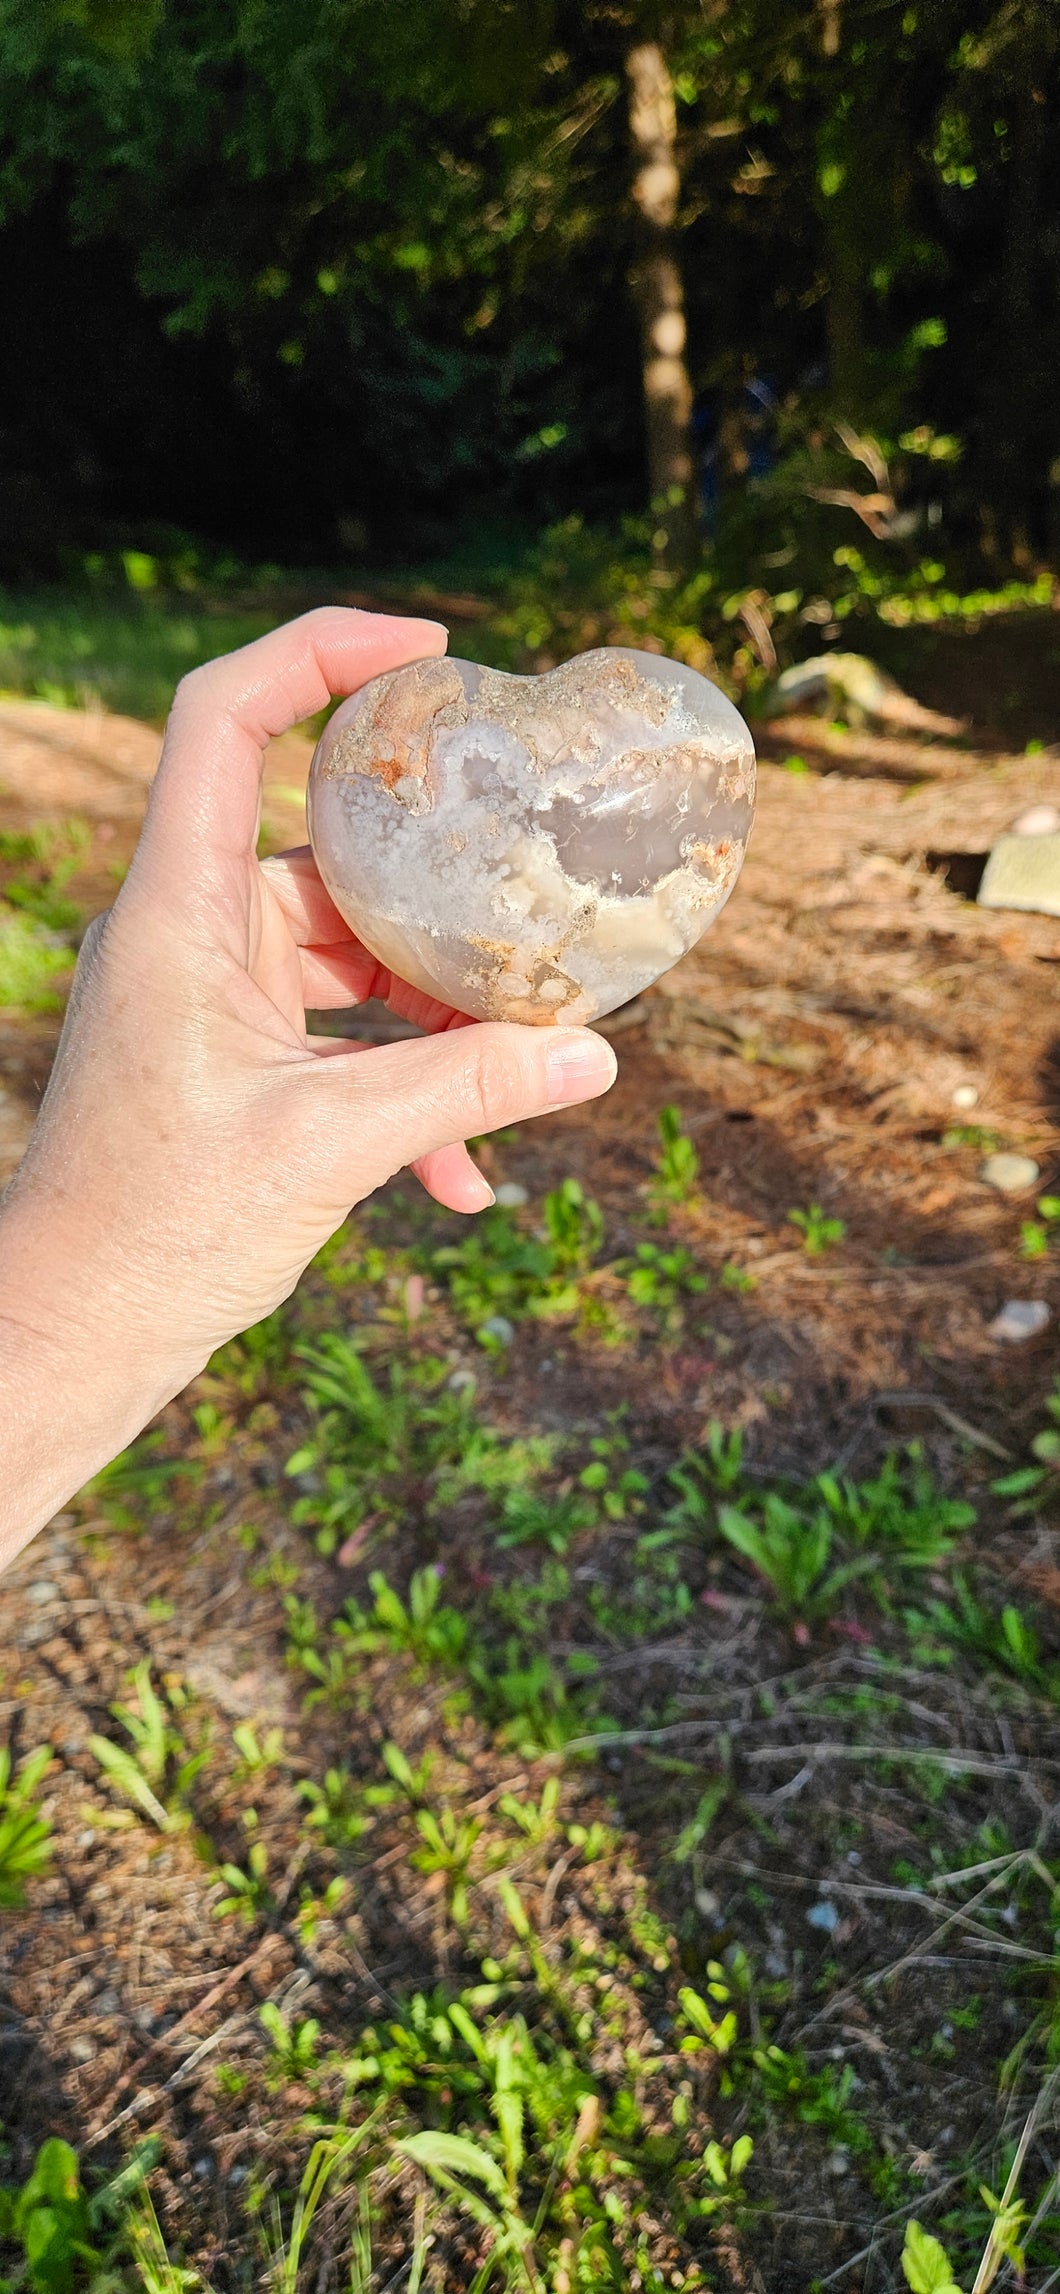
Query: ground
[{"x": 724, "y": 1727}]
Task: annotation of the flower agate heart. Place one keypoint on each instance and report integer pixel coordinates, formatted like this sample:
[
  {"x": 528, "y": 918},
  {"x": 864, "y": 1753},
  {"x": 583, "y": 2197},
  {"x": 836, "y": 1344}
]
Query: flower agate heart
[{"x": 532, "y": 848}]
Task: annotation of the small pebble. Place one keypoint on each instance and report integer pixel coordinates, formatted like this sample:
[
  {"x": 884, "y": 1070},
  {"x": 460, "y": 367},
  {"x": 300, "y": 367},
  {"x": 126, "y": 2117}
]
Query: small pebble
[
  {"x": 1038, "y": 820},
  {"x": 82, "y": 2050},
  {"x": 511, "y": 1196},
  {"x": 965, "y": 1095},
  {"x": 1020, "y": 1319},
  {"x": 461, "y": 1380},
  {"x": 107, "y": 2003},
  {"x": 42, "y": 1590},
  {"x": 823, "y": 1915},
  {"x": 1010, "y": 1174},
  {"x": 499, "y": 1328}
]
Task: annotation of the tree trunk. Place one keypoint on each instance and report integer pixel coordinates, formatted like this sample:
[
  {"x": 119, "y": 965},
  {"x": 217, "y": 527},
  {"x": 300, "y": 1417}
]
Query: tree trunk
[
  {"x": 1023, "y": 392},
  {"x": 659, "y": 291}
]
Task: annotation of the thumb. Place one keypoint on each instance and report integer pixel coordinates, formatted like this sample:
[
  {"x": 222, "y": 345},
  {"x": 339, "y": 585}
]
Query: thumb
[{"x": 394, "y": 1105}]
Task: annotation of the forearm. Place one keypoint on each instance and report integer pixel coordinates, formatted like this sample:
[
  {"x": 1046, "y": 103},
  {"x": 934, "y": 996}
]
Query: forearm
[{"x": 76, "y": 1380}]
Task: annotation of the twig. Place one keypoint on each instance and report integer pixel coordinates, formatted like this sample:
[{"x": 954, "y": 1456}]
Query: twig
[
  {"x": 949, "y": 1418},
  {"x": 956, "y": 1763},
  {"x": 900, "y": 2214},
  {"x": 150, "y": 2095},
  {"x": 191, "y": 2015}
]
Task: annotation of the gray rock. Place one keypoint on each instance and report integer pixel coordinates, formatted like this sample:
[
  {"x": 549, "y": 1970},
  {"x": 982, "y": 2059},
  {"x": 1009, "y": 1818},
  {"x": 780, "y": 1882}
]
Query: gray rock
[
  {"x": 533, "y": 848},
  {"x": 498, "y": 1328},
  {"x": 1020, "y": 1319},
  {"x": 1023, "y": 872},
  {"x": 1038, "y": 820},
  {"x": 511, "y": 1196},
  {"x": 1010, "y": 1174}
]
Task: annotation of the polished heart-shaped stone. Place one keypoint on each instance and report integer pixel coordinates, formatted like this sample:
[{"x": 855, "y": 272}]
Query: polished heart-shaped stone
[{"x": 533, "y": 848}]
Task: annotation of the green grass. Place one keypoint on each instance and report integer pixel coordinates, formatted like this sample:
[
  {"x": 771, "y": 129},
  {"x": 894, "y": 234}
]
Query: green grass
[{"x": 125, "y": 651}]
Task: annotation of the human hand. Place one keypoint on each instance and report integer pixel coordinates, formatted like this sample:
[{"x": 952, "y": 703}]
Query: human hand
[{"x": 195, "y": 1146}]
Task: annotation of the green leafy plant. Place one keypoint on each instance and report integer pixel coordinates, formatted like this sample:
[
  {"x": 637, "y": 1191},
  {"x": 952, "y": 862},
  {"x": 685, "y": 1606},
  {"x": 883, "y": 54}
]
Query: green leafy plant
[
  {"x": 31, "y": 962},
  {"x": 819, "y": 1233},
  {"x": 537, "y": 1822},
  {"x": 809, "y": 1541},
  {"x": 157, "y": 1774},
  {"x": 500, "y": 1270},
  {"x": 257, "y": 1755},
  {"x": 68, "y": 2238},
  {"x": 676, "y": 1168},
  {"x": 425, "y": 1628},
  {"x": 293, "y": 2055},
  {"x": 44, "y": 858},
  {"x": 663, "y": 1280},
  {"x": 1031, "y": 1485},
  {"x": 249, "y": 1893},
  {"x": 544, "y": 1517},
  {"x": 158, "y": 2273},
  {"x": 792, "y": 1552},
  {"x": 1037, "y": 1234},
  {"x": 925, "y": 2263},
  {"x": 448, "y": 1847},
  {"x": 25, "y": 1834},
  {"x": 257, "y": 1359},
  {"x": 374, "y": 1443},
  {"x": 704, "y": 2030},
  {"x": 971, "y": 1135},
  {"x": 324, "y": 2171},
  {"x": 496, "y": 1269},
  {"x": 1004, "y": 1639},
  {"x": 616, "y": 1491},
  {"x": 140, "y": 1482},
  {"x": 340, "y": 1809},
  {"x": 700, "y": 1474},
  {"x": 469, "y": 2174},
  {"x": 899, "y": 1513},
  {"x": 575, "y": 1229},
  {"x": 49, "y": 2219},
  {"x": 529, "y": 1701},
  {"x": 816, "y": 2097}
]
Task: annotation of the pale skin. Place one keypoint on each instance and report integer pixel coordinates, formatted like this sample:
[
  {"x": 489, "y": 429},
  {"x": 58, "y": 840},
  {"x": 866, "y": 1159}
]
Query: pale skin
[{"x": 195, "y": 1146}]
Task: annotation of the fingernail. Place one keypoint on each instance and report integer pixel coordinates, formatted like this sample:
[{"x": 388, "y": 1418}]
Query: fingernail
[
  {"x": 580, "y": 1066},
  {"x": 437, "y": 629},
  {"x": 486, "y": 1196}
]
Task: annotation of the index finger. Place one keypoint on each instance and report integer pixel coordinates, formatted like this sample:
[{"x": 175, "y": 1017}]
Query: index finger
[{"x": 206, "y": 795}]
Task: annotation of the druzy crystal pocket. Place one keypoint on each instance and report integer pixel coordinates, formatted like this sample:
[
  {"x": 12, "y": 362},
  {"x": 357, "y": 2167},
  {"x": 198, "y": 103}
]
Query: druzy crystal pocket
[{"x": 533, "y": 848}]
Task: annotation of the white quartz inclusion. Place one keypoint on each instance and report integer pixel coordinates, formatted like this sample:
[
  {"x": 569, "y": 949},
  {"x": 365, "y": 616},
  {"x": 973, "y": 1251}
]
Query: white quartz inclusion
[{"x": 533, "y": 848}]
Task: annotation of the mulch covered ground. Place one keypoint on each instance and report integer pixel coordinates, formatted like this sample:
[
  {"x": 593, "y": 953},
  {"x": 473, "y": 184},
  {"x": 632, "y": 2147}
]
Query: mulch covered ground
[{"x": 814, "y": 1044}]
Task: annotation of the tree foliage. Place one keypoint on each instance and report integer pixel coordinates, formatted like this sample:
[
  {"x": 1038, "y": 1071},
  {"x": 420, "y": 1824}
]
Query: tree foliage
[{"x": 306, "y": 273}]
